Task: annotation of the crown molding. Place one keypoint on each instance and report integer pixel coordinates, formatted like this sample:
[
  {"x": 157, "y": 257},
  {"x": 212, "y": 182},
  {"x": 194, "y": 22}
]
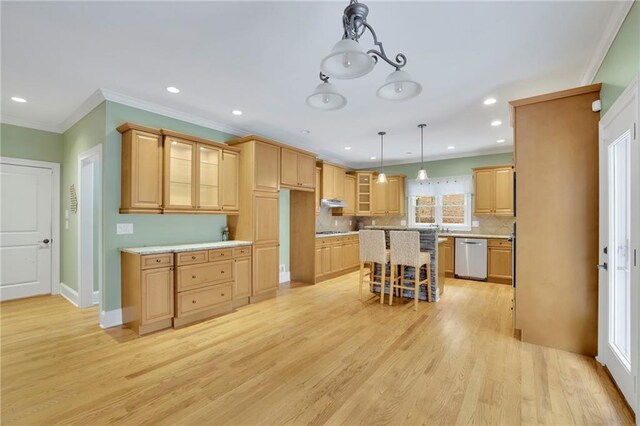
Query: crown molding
[
  {"x": 7, "y": 119},
  {"x": 119, "y": 98},
  {"x": 85, "y": 108},
  {"x": 620, "y": 12}
]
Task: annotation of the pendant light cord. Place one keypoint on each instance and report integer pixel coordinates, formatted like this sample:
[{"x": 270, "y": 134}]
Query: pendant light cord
[
  {"x": 381, "y": 149},
  {"x": 422, "y": 126}
]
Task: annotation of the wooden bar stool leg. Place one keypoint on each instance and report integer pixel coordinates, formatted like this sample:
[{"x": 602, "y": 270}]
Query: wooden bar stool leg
[
  {"x": 428, "y": 286},
  {"x": 402, "y": 283},
  {"x": 416, "y": 292},
  {"x": 361, "y": 278},
  {"x": 391, "y": 284},
  {"x": 383, "y": 279}
]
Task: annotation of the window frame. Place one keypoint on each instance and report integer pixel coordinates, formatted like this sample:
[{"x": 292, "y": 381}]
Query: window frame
[{"x": 466, "y": 226}]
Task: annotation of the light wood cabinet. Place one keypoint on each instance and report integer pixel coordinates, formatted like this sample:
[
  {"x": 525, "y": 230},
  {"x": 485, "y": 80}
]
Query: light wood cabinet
[
  {"x": 297, "y": 170},
  {"x": 265, "y": 266},
  {"x": 493, "y": 191},
  {"x": 499, "y": 268},
  {"x": 266, "y": 213},
  {"x": 242, "y": 281},
  {"x": 364, "y": 193},
  {"x": 141, "y": 178},
  {"x": 147, "y": 291},
  {"x": 349, "y": 195},
  {"x": 267, "y": 167},
  {"x": 335, "y": 256},
  {"x": 230, "y": 181},
  {"x": 208, "y": 177},
  {"x": 389, "y": 198},
  {"x": 318, "y": 189},
  {"x": 333, "y": 177},
  {"x": 449, "y": 254},
  {"x": 179, "y": 174}
]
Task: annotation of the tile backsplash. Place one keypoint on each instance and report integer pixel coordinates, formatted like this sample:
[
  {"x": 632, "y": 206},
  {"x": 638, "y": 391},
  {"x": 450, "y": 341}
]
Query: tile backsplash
[
  {"x": 326, "y": 222},
  {"x": 495, "y": 225}
]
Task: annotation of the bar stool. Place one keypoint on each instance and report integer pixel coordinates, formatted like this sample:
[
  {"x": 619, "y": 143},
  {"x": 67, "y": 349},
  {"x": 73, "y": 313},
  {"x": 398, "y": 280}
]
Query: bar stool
[
  {"x": 405, "y": 251},
  {"x": 373, "y": 249}
]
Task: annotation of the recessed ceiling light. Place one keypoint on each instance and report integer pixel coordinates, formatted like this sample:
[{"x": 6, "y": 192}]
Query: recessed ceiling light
[
  {"x": 451, "y": 147},
  {"x": 495, "y": 123},
  {"x": 500, "y": 141},
  {"x": 489, "y": 101},
  {"x": 347, "y": 148},
  {"x": 172, "y": 89},
  {"x": 372, "y": 158},
  {"x": 17, "y": 99},
  {"x": 236, "y": 112},
  {"x": 305, "y": 131}
]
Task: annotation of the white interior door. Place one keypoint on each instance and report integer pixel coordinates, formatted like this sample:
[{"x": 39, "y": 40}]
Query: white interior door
[
  {"x": 620, "y": 213},
  {"x": 25, "y": 231}
]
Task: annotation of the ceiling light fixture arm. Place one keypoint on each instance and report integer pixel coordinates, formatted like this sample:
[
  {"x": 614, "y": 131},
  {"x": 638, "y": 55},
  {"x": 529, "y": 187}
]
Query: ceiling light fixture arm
[
  {"x": 324, "y": 77},
  {"x": 401, "y": 59}
]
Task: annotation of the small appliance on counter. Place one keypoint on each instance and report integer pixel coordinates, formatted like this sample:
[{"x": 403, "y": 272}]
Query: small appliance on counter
[
  {"x": 359, "y": 224},
  {"x": 225, "y": 233}
]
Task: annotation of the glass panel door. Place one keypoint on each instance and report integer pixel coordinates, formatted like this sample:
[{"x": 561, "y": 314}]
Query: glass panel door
[
  {"x": 181, "y": 174},
  {"x": 209, "y": 177},
  {"x": 619, "y": 248},
  {"x": 364, "y": 193}
]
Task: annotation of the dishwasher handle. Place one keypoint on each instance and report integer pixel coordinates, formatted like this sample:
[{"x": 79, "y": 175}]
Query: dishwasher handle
[{"x": 470, "y": 242}]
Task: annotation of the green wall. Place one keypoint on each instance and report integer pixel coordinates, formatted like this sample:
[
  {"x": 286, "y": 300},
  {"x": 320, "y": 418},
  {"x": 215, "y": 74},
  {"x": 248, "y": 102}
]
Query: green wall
[
  {"x": 82, "y": 136},
  {"x": 285, "y": 213},
  {"x": 622, "y": 62},
  {"x": 450, "y": 167},
  {"x": 148, "y": 229},
  {"x": 30, "y": 144}
]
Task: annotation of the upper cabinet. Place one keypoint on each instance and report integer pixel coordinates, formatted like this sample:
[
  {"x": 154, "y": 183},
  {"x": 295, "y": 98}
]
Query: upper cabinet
[
  {"x": 141, "y": 169},
  {"x": 388, "y": 199},
  {"x": 493, "y": 191},
  {"x": 349, "y": 195},
  {"x": 364, "y": 193},
  {"x": 297, "y": 170},
  {"x": 332, "y": 180},
  {"x": 168, "y": 172},
  {"x": 266, "y": 167},
  {"x": 318, "y": 189}
]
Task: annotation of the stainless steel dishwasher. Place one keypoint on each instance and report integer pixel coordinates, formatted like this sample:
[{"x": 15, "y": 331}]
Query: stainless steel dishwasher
[{"x": 471, "y": 258}]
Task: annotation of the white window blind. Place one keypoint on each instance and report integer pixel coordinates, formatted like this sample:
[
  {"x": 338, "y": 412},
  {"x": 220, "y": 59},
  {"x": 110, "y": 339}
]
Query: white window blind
[{"x": 441, "y": 186}]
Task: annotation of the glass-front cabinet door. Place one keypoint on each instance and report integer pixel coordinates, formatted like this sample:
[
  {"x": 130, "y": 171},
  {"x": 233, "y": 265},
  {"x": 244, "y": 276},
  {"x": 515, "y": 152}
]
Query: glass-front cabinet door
[
  {"x": 208, "y": 177},
  {"x": 180, "y": 176},
  {"x": 364, "y": 194}
]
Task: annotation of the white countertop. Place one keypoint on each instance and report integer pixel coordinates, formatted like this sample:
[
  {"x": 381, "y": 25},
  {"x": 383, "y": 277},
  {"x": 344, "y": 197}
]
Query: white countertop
[
  {"x": 441, "y": 240},
  {"x": 471, "y": 235},
  {"x": 176, "y": 248},
  {"x": 341, "y": 234}
]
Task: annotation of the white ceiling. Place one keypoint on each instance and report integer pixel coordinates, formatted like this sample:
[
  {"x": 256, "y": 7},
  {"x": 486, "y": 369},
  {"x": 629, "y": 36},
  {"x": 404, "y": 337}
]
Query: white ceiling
[{"x": 263, "y": 59}]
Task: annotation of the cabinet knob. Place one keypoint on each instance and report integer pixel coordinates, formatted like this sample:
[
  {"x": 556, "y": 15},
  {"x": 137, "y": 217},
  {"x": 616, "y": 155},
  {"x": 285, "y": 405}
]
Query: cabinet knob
[
  {"x": 193, "y": 301},
  {"x": 193, "y": 276},
  {"x": 222, "y": 272},
  {"x": 157, "y": 260},
  {"x": 193, "y": 258},
  {"x": 221, "y": 294},
  {"x": 221, "y": 254}
]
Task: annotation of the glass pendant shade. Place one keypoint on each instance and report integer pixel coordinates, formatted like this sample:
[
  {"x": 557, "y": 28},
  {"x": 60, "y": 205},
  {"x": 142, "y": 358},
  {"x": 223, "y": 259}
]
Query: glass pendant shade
[
  {"x": 382, "y": 178},
  {"x": 347, "y": 60},
  {"x": 422, "y": 175},
  {"x": 326, "y": 97},
  {"x": 399, "y": 86}
]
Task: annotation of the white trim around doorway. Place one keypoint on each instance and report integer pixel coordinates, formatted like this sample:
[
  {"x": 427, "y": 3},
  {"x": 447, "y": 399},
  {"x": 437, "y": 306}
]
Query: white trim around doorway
[{"x": 55, "y": 213}]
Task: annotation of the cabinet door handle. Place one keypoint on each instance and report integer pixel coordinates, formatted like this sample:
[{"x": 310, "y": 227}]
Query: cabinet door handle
[
  {"x": 193, "y": 258},
  {"x": 222, "y": 294},
  {"x": 222, "y": 272},
  {"x": 193, "y": 301},
  {"x": 193, "y": 276},
  {"x": 157, "y": 260}
]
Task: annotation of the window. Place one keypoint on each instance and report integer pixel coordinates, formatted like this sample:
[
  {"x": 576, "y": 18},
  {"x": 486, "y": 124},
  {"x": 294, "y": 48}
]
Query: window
[{"x": 448, "y": 211}]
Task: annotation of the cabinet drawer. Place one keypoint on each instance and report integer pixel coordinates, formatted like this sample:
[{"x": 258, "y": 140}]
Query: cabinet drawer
[
  {"x": 157, "y": 260},
  {"x": 195, "y": 276},
  {"x": 499, "y": 243},
  {"x": 220, "y": 254},
  {"x": 242, "y": 251},
  {"x": 189, "y": 302},
  {"x": 191, "y": 257}
]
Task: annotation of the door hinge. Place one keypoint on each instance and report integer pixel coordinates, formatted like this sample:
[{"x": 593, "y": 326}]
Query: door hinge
[
  {"x": 634, "y": 131},
  {"x": 635, "y": 257}
]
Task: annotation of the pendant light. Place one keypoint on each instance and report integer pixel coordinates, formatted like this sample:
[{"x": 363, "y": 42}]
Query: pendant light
[
  {"x": 399, "y": 86},
  {"x": 422, "y": 174},
  {"x": 326, "y": 97},
  {"x": 382, "y": 177}
]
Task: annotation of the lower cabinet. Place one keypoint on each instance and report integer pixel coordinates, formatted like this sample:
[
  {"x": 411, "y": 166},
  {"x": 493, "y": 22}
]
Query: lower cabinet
[
  {"x": 499, "y": 268},
  {"x": 449, "y": 260},
  {"x": 336, "y": 256},
  {"x": 266, "y": 276},
  {"x": 203, "y": 284}
]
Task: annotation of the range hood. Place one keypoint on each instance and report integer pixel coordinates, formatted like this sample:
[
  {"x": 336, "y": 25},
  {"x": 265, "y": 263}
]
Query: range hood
[{"x": 333, "y": 203}]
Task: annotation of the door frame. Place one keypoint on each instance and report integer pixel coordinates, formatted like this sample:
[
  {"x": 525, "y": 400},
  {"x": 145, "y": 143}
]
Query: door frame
[
  {"x": 55, "y": 212},
  {"x": 603, "y": 297},
  {"x": 85, "y": 295}
]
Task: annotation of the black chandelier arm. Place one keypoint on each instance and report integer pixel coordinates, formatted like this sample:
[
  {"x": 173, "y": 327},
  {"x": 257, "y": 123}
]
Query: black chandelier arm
[
  {"x": 401, "y": 60},
  {"x": 324, "y": 77}
]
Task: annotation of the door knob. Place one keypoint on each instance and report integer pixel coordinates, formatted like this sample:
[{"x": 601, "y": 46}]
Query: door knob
[
  {"x": 603, "y": 266},
  {"x": 45, "y": 241}
]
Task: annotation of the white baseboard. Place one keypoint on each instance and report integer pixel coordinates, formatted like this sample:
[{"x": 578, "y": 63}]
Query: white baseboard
[
  {"x": 70, "y": 294},
  {"x": 285, "y": 277},
  {"x": 111, "y": 318},
  {"x": 96, "y": 298}
]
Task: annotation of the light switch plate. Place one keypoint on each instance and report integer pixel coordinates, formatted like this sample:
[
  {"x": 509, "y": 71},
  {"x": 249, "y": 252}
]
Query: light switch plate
[
  {"x": 403, "y": 222},
  {"x": 66, "y": 224},
  {"x": 373, "y": 222},
  {"x": 475, "y": 223},
  {"x": 124, "y": 228},
  {"x": 66, "y": 214}
]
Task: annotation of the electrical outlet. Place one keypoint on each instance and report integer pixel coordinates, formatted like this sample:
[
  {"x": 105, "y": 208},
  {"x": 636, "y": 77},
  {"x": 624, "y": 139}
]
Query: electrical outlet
[
  {"x": 373, "y": 222},
  {"x": 124, "y": 228},
  {"x": 350, "y": 222},
  {"x": 335, "y": 222},
  {"x": 403, "y": 223},
  {"x": 282, "y": 269},
  {"x": 66, "y": 214},
  {"x": 475, "y": 223},
  {"x": 66, "y": 224}
]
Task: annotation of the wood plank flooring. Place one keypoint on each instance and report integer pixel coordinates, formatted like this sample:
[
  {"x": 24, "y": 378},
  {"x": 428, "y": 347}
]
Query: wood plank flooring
[{"x": 313, "y": 355}]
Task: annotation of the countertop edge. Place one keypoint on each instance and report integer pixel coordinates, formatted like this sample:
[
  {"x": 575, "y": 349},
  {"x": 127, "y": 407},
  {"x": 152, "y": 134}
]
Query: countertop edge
[{"x": 179, "y": 248}]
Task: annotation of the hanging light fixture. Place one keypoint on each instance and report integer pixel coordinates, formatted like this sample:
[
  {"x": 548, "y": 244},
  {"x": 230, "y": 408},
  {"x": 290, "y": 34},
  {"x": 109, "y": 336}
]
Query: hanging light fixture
[
  {"x": 348, "y": 59},
  {"x": 382, "y": 177},
  {"x": 422, "y": 174},
  {"x": 326, "y": 96}
]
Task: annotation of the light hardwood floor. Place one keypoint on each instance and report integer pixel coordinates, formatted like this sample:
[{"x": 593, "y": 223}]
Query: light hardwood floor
[{"x": 313, "y": 355}]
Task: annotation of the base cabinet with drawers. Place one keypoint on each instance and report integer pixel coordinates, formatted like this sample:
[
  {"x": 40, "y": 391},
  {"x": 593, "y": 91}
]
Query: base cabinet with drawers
[
  {"x": 499, "y": 268},
  {"x": 336, "y": 256},
  {"x": 175, "y": 289}
]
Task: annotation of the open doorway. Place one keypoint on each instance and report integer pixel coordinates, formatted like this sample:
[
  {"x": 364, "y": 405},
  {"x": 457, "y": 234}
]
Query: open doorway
[{"x": 90, "y": 227}]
